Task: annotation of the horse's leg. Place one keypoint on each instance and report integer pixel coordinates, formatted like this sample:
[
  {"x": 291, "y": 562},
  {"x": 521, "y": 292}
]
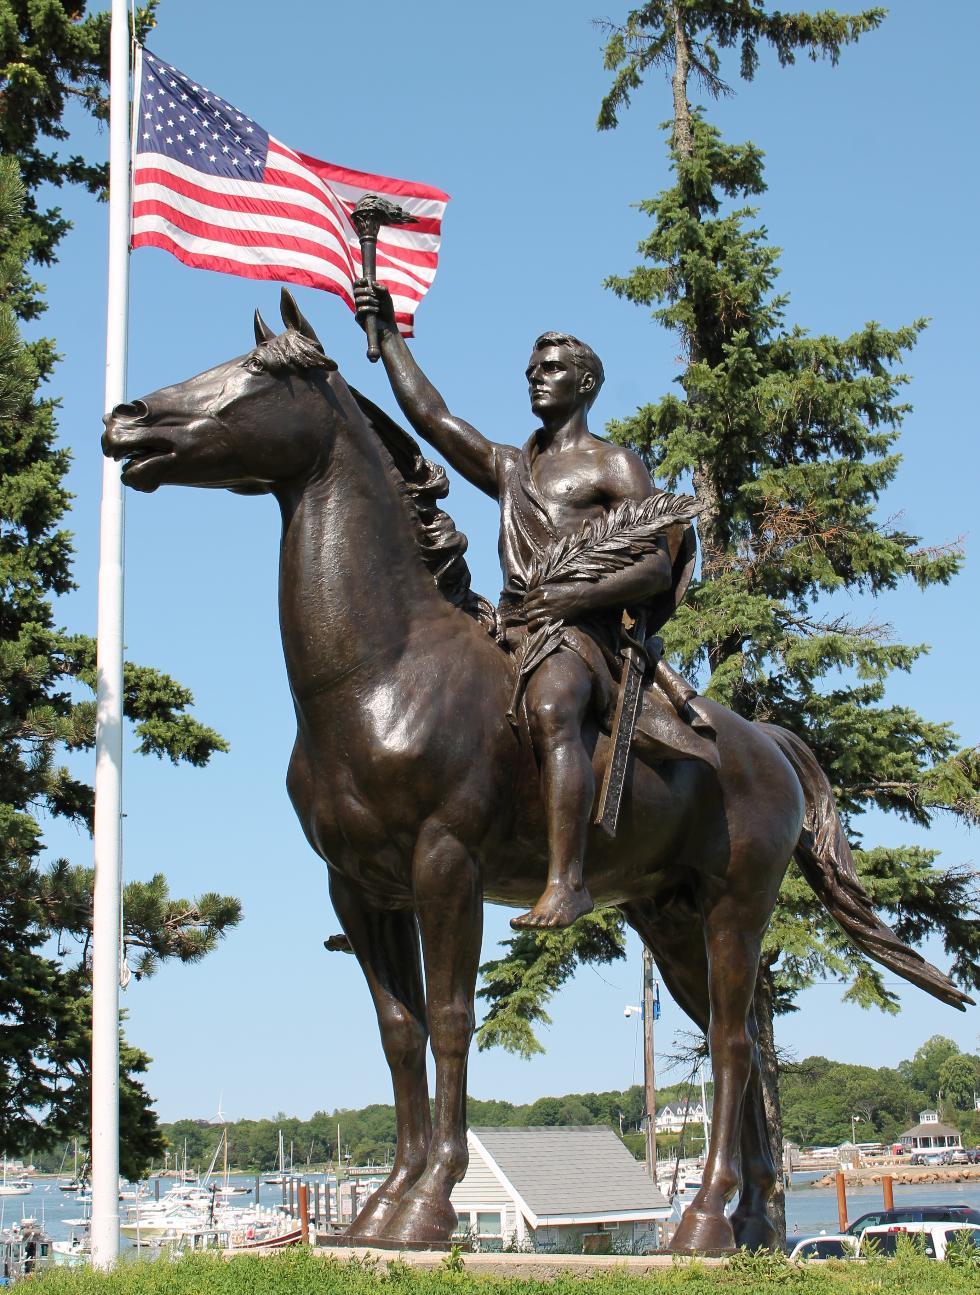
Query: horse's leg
[
  {"x": 386, "y": 945},
  {"x": 733, "y": 938},
  {"x": 751, "y": 1223},
  {"x": 449, "y": 903}
]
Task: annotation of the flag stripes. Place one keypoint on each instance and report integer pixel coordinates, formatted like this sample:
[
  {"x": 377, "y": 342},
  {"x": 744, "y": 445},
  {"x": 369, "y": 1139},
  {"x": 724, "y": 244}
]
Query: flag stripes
[{"x": 214, "y": 190}]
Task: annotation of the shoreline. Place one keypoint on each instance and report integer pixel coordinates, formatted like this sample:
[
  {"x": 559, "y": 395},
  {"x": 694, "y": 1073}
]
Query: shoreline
[{"x": 871, "y": 1175}]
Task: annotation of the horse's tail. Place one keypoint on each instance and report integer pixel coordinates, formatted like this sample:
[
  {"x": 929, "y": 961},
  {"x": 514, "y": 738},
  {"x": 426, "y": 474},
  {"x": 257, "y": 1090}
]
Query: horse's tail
[{"x": 825, "y": 859}]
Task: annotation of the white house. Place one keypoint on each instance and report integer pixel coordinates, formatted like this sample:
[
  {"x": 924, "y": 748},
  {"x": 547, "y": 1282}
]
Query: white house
[
  {"x": 929, "y": 1134},
  {"x": 545, "y": 1188},
  {"x": 672, "y": 1119}
]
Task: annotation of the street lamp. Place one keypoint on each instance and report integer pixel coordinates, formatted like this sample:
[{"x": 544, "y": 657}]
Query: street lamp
[{"x": 855, "y": 1119}]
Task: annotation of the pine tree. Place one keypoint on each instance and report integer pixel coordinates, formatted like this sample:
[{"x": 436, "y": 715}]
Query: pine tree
[
  {"x": 789, "y": 440},
  {"x": 47, "y": 52}
]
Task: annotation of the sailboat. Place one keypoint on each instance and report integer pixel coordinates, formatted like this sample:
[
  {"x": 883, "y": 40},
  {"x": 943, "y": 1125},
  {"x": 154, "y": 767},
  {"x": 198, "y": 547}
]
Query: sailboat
[
  {"x": 76, "y": 1183},
  {"x": 228, "y": 1188},
  {"x": 18, "y": 1186},
  {"x": 281, "y": 1176}
]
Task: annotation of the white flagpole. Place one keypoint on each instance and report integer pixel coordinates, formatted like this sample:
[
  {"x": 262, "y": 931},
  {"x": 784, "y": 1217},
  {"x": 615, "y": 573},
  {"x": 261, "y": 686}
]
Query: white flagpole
[{"x": 109, "y": 716}]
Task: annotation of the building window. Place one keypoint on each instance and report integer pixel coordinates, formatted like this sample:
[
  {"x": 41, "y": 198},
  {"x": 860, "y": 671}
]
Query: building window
[{"x": 488, "y": 1224}]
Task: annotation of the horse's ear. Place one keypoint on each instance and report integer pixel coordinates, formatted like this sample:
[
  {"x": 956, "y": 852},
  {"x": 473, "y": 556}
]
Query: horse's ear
[
  {"x": 293, "y": 318},
  {"x": 263, "y": 333}
]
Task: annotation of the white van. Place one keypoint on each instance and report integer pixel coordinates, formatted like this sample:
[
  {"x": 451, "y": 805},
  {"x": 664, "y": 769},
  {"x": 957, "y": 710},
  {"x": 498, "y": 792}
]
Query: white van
[{"x": 934, "y": 1238}]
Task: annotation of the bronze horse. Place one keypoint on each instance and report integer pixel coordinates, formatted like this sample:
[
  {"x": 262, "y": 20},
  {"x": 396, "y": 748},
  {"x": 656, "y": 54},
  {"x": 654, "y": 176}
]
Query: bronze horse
[{"x": 414, "y": 788}]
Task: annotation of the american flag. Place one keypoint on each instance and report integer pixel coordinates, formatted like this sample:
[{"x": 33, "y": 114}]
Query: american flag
[{"x": 219, "y": 192}]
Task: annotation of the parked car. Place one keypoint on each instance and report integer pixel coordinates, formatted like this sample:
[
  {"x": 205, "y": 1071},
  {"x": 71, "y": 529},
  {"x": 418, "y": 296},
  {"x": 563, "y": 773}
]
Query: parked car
[
  {"x": 955, "y": 1156},
  {"x": 926, "y": 1158},
  {"x": 825, "y": 1246},
  {"x": 935, "y": 1239},
  {"x": 914, "y": 1214},
  {"x": 974, "y": 1155}
]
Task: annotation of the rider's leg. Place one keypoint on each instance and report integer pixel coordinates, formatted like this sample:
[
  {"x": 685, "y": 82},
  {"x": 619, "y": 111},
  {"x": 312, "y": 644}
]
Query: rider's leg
[{"x": 558, "y": 696}]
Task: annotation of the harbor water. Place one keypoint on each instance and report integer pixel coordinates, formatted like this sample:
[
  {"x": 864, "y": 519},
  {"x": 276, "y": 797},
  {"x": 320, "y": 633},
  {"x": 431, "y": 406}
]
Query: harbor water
[{"x": 809, "y": 1209}]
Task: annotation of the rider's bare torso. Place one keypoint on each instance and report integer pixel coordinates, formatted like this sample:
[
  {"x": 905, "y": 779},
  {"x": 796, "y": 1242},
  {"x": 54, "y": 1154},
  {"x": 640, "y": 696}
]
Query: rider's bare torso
[{"x": 562, "y": 478}]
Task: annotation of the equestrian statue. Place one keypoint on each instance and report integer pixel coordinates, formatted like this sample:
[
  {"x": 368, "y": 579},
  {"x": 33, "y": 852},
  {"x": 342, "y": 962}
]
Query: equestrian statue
[{"x": 540, "y": 754}]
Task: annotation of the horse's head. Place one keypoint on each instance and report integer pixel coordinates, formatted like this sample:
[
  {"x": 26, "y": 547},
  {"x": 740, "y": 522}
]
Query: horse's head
[{"x": 244, "y": 425}]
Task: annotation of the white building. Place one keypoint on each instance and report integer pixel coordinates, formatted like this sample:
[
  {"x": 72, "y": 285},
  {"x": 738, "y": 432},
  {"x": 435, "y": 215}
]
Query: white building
[
  {"x": 929, "y": 1134},
  {"x": 544, "y": 1189},
  {"x": 672, "y": 1119}
]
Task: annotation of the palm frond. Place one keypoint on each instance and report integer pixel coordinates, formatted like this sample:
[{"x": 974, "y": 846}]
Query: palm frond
[{"x": 620, "y": 538}]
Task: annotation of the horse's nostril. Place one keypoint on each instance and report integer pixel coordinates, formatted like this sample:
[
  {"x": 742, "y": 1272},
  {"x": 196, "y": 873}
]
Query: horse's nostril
[{"x": 131, "y": 409}]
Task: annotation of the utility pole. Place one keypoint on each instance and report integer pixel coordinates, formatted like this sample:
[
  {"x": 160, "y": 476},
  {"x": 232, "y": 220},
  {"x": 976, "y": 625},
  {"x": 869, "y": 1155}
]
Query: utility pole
[{"x": 649, "y": 1076}]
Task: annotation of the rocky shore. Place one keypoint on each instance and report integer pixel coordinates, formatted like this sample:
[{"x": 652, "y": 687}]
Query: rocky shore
[{"x": 869, "y": 1175}]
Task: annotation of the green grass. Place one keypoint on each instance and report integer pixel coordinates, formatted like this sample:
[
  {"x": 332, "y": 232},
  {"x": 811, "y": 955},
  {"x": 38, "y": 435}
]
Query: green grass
[{"x": 301, "y": 1273}]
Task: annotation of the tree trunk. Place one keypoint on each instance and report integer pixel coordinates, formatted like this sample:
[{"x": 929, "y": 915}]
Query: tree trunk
[
  {"x": 705, "y": 487},
  {"x": 683, "y": 138},
  {"x": 770, "y": 1095}
]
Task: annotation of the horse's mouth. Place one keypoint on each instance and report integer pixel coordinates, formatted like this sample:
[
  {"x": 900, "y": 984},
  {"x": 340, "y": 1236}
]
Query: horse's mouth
[{"x": 142, "y": 467}]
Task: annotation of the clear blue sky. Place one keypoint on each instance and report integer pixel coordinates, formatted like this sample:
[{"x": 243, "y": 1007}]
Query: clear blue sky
[{"x": 873, "y": 194}]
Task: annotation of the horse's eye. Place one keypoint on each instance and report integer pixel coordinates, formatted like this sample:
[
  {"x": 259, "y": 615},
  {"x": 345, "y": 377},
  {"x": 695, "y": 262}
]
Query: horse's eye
[{"x": 253, "y": 364}]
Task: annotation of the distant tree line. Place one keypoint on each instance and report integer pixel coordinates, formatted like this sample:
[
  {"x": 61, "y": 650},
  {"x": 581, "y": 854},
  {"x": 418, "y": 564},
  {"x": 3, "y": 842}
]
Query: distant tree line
[{"x": 819, "y": 1096}]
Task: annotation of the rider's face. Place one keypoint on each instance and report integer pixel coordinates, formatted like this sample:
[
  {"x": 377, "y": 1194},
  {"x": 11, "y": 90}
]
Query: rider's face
[{"x": 554, "y": 383}]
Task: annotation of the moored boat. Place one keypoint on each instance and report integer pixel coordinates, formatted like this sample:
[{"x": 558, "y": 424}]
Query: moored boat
[{"x": 24, "y": 1249}]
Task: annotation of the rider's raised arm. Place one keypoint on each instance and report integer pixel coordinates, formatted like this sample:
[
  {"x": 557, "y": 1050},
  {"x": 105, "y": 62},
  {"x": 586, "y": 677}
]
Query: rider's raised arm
[{"x": 463, "y": 447}]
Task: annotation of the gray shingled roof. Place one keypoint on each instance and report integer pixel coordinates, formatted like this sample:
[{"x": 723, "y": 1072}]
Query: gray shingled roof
[
  {"x": 933, "y": 1130},
  {"x": 571, "y": 1169}
]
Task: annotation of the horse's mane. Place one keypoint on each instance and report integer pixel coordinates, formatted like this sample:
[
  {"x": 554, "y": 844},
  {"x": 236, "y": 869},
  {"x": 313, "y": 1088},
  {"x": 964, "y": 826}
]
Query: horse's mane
[{"x": 421, "y": 483}]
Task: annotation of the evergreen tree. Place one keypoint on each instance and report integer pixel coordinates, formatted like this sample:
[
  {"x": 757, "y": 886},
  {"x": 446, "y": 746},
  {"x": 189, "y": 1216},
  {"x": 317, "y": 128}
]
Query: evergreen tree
[
  {"x": 789, "y": 440},
  {"x": 47, "y": 714}
]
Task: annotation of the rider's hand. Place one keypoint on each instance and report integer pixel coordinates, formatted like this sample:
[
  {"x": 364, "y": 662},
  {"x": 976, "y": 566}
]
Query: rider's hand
[
  {"x": 554, "y": 602},
  {"x": 373, "y": 299}
]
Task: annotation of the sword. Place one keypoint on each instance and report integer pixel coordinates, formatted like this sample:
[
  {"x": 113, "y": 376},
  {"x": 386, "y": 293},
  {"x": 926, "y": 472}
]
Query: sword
[
  {"x": 370, "y": 213},
  {"x": 623, "y": 727}
]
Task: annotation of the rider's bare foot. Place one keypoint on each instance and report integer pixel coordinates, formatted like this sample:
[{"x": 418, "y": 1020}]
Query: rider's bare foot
[{"x": 559, "y": 906}]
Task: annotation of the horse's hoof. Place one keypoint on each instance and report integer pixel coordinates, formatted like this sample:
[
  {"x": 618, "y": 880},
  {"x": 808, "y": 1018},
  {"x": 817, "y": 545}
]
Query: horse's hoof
[
  {"x": 421, "y": 1219},
  {"x": 755, "y": 1232},
  {"x": 700, "y": 1231},
  {"x": 369, "y": 1225}
]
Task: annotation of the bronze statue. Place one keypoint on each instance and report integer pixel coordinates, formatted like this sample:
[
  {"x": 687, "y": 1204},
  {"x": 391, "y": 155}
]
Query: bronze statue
[
  {"x": 424, "y": 799},
  {"x": 562, "y": 478}
]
